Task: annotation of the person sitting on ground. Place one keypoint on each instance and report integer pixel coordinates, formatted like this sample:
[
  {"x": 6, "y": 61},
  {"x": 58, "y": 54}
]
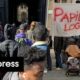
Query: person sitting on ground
[
  {"x": 33, "y": 64},
  {"x": 21, "y": 36}
]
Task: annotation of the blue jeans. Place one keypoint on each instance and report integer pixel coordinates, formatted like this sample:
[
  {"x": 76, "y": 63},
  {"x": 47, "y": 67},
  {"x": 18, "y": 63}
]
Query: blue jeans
[{"x": 58, "y": 59}]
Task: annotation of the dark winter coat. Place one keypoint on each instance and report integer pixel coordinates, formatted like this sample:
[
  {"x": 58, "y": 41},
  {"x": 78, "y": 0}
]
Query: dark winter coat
[{"x": 58, "y": 43}]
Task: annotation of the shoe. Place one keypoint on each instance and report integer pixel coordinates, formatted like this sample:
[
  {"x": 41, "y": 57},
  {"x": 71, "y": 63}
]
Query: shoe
[
  {"x": 58, "y": 68},
  {"x": 45, "y": 71}
]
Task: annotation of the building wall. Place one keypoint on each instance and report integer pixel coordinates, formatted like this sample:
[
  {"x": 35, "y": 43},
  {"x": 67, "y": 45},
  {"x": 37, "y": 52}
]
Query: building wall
[
  {"x": 3, "y": 11},
  {"x": 49, "y": 20}
]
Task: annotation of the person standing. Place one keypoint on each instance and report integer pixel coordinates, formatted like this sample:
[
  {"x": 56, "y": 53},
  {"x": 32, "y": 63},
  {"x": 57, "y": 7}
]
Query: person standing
[
  {"x": 58, "y": 45},
  {"x": 40, "y": 34},
  {"x": 29, "y": 32}
]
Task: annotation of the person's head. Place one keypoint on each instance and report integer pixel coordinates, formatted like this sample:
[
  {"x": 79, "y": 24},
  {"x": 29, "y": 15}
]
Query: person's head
[
  {"x": 34, "y": 72},
  {"x": 32, "y": 25},
  {"x": 9, "y": 31},
  {"x": 40, "y": 32},
  {"x": 33, "y": 60},
  {"x": 23, "y": 27},
  {"x": 31, "y": 54}
]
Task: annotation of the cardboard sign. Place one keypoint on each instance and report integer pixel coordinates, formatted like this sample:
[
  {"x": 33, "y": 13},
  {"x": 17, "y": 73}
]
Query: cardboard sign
[{"x": 66, "y": 19}]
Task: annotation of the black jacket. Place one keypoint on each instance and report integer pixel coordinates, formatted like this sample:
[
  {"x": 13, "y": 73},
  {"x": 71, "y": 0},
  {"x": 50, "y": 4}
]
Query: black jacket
[{"x": 58, "y": 43}]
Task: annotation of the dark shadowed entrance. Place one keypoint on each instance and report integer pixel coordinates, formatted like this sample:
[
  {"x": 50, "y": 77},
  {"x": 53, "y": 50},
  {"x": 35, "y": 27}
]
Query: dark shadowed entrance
[{"x": 36, "y": 10}]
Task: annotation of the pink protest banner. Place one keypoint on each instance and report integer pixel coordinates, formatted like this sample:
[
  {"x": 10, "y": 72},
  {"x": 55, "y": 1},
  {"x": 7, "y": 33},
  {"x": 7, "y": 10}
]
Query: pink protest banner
[{"x": 66, "y": 19}]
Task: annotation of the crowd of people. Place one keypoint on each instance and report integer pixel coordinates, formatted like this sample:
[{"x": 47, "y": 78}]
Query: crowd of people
[{"x": 31, "y": 44}]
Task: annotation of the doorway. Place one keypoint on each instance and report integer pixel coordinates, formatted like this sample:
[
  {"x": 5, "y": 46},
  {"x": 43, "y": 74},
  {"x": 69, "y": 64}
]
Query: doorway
[{"x": 33, "y": 10}]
